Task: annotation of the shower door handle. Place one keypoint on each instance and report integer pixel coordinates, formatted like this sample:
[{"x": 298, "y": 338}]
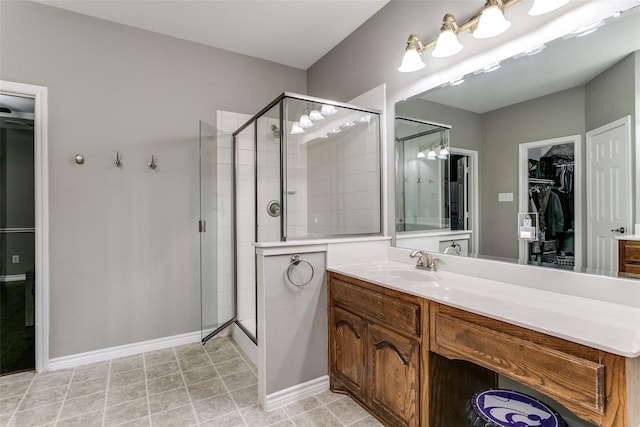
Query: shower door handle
[{"x": 202, "y": 226}]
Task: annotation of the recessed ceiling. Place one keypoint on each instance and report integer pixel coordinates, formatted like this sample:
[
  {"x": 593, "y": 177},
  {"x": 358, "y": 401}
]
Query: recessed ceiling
[{"x": 295, "y": 33}]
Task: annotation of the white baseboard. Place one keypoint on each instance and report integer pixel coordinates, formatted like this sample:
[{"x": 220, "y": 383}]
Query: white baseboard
[
  {"x": 245, "y": 343},
  {"x": 297, "y": 392},
  {"x": 79, "y": 359}
]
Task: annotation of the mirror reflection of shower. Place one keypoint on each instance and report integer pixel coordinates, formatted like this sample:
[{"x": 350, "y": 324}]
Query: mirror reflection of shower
[{"x": 422, "y": 175}]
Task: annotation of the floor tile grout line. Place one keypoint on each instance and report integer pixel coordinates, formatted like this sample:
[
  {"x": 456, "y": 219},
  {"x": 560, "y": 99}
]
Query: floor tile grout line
[
  {"x": 146, "y": 387},
  {"x": 64, "y": 398},
  {"x": 184, "y": 381},
  {"x": 223, "y": 383},
  {"x": 24, "y": 395},
  {"x": 106, "y": 395}
]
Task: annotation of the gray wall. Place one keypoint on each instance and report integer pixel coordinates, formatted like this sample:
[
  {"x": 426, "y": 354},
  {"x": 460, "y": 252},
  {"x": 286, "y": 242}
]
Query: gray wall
[
  {"x": 466, "y": 127},
  {"x": 124, "y": 249},
  {"x": 551, "y": 116}
]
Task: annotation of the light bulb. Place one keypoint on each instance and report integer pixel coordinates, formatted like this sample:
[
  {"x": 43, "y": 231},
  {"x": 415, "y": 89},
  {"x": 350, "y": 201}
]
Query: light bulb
[
  {"x": 305, "y": 122},
  {"x": 411, "y": 61},
  {"x": 328, "y": 110},
  {"x": 447, "y": 44},
  {"x": 315, "y": 115},
  {"x": 540, "y": 7},
  {"x": 296, "y": 129},
  {"x": 444, "y": 152},
  {"x": 491, "y": 23},
  {"x": 421, "y": 155},
  {"x": 431, "y": 154}
]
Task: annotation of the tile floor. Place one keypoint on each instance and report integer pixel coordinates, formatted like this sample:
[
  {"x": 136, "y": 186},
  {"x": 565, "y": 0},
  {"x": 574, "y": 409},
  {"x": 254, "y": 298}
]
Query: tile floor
[{"x": 191, "y": 385}]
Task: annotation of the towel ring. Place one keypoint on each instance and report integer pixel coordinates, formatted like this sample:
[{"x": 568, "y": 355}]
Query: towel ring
[{"x": 296, "y": 260}]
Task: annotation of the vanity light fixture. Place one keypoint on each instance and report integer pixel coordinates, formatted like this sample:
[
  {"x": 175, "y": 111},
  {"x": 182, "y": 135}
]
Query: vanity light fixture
[
  {"x": 296, "y": 129},
  {"x": 540, "y": 7},
  {"x": 443, "y": 153},
  {"x": 421, "y": 155},
  {"x": 447, "y": 43},
  {"x": 431, "y": 154},
  {"x": 411, "y": 61},
  {"x": 305, "y": 122},
  {"x": 315, "y": 115},
  {"x": 492, "y": 21},
  {"x": 328, "y": 110},
  {"x": 488, "y": 22}
]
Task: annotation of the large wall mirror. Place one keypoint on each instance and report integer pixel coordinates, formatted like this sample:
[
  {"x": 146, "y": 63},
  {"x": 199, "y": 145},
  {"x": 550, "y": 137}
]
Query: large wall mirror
[{"x": 551, "y": 131}]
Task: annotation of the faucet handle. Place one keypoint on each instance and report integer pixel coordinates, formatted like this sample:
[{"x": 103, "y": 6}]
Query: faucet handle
[{"x": 433, "y": 263}]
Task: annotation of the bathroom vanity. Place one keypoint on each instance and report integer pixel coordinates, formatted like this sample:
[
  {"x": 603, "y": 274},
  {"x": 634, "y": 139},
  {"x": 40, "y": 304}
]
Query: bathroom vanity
[
  {"x": 629, "y": 255},
  {"x": 412, "y": 346}
]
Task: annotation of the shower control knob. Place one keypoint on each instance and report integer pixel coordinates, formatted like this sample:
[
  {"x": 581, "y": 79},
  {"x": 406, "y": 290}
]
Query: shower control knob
[{"x": 273, "y": 208}]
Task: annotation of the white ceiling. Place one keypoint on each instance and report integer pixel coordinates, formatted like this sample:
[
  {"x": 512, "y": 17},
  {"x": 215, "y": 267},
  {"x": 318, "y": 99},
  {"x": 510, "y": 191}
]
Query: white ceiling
[{"x": 292, "y": 32}]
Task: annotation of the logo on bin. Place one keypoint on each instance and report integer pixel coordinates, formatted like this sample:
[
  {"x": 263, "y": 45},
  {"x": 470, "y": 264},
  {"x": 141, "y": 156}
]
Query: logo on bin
[{"x": 508, "y": 408}]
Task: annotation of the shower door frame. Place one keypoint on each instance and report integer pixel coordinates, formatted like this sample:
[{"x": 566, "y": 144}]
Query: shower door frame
[{"x": 40, "y": 121}]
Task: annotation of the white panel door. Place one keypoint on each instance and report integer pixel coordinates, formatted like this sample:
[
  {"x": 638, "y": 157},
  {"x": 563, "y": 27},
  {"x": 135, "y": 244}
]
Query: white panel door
[{"x": 608, "y": 193}]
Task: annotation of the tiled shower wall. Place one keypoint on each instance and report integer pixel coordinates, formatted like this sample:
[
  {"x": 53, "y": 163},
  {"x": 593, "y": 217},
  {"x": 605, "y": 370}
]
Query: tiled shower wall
[
  {"x": 268, "y": 189},
  {"x": 344, "y": 183}
]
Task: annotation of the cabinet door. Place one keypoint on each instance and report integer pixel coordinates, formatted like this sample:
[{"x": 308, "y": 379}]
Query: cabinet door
[
  {"x": 394, "y": 376},
  {"x": 347, "y": 349}
]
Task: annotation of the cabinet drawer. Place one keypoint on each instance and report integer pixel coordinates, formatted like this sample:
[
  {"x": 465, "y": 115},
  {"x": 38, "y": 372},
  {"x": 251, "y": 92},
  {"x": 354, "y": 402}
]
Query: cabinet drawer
[
  {"x": 631, "y": 252},
  {"x": 400, "y": 315},
  {"x": 563, "y": 376}
]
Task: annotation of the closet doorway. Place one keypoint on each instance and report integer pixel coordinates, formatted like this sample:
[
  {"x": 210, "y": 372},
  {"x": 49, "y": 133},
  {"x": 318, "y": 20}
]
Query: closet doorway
[
  {"x": 463, "y": 183},
  {"x": 550, "y": 190},
  {"x": 39, "y": 274}
]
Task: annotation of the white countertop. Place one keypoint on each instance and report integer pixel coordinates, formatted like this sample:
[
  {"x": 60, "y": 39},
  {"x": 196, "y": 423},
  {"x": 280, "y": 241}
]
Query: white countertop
[
  {"x": 628, "y": 237},
  {"x": 607, "y": 326}
]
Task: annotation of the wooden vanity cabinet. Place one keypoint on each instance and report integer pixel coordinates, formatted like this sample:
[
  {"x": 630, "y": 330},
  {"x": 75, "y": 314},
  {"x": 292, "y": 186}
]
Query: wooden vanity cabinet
[
  {"x": 375, "y": 351},
  {"x": 589, "y": 382},
  {"x": 414, "y": 362},
  {"x": 629, "y": 257}
]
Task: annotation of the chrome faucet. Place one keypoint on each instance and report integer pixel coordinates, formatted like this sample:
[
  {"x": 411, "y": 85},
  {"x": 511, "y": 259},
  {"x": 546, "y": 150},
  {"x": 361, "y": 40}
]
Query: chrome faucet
[{"x": 425, "y": 261}]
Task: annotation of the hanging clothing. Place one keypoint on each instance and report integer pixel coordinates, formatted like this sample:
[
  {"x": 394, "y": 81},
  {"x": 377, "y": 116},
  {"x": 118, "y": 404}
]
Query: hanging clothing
[{"x": 554, "y": 216}]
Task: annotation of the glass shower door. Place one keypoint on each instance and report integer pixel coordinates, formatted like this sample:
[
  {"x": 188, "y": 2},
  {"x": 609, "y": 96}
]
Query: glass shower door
[{"x": 217, "y": 276}]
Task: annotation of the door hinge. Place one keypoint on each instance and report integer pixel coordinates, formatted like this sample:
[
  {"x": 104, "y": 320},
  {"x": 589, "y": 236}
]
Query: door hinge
[{"x": 202, "y": 226}]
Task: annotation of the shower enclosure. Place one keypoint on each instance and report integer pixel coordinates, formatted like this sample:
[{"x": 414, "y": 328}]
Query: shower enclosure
[
  {"x": 216, "y": 231},
  {"x": 422, "y": 175},
  {"x": 306, "y": 168}
]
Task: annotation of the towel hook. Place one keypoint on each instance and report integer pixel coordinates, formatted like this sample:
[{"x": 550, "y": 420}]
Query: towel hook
[
  {"x": 117, "y": 162},
  {"x": 153, "y": 164}
]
